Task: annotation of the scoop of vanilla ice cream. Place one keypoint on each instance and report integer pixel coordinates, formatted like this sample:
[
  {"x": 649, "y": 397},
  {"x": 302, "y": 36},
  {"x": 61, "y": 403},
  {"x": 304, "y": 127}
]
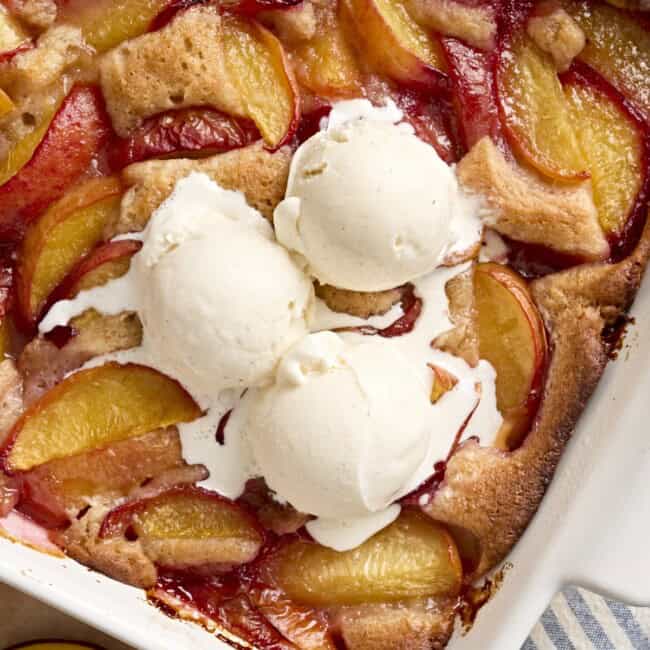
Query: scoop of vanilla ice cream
[
  {"x": 220, "y": 300},
  {"x": 370, "y": 206},
  {"x": 343, "y": 428}
]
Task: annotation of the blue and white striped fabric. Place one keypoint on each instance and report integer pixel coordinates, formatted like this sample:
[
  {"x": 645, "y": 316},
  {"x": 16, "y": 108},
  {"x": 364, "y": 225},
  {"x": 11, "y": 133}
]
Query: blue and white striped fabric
[{"x": 578, "y": 619}]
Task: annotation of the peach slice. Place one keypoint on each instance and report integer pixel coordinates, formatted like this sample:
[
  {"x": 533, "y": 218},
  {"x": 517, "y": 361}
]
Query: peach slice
[
  {"x": 413, "y": 557},
  {"x": 263, "y": 77},
  {"x": 614, "y": 143},
  {"x": 44, "y": 165},
  {"x": 63, "y": 485},
  {"x": 472, "y": 76},
  {"x": 5, "y": 336},
  {"x": 326, "y": 64},
  {"x": 94, "y": 408},
  {"x": 107, "y": 262},
  {"x": 21, "y": 152},
  {"x": 513, "y": 339},
  {"x": 6, "y": 103},
  {"x": 304, "y": 627},
  {"x": 64, "y": 234},
  {"x": 106, "y": 23},
  {"x": 183, "y": 133},
  {"x": 10, "y": 490},
  {"x": 618, "y": 46},
  {"x": 534, "y": 111},
  {"x": 209, "y": 528},
  {"x": 443, "y": 382},
  {"x": 393, "y": 43}
]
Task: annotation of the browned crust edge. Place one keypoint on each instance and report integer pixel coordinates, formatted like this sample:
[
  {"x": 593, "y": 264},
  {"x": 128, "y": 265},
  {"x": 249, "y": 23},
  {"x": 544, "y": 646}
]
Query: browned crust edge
[{"x": 494, "y": 494}]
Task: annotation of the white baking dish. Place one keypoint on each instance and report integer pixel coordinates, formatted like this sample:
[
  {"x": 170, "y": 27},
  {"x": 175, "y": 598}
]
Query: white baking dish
[{"x": 592, "y": 529}]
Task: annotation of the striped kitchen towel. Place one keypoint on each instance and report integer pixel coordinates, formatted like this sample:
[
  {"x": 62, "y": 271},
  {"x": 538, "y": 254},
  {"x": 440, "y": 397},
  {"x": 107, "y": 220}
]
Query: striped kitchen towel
[{"x": 578, "y": 619}]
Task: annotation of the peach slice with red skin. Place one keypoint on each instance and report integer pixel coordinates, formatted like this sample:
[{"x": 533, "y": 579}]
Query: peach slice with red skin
[
  {"x": 107, "y": 262},
  {"x": 535, "y": 113},
  {"x": 220, "y": 598},
  {"x": 55, "y": 243},
  {"x": 303, "y": 626},
  {"x": 63, "y": 485},
  {"x": 220, "y": 532},
  {"x": 512, "y": 338},
  {"x": 264, "y": 78},
  {"x": 443, "y": 382},
  {"x": 22, "y": 151},
  {"x": 74, "y": 137},
  {"x": 433, "y": 120},
  {"x": 393, "y": 43},
  {"x": 616, "y": 144},
  {"x": 6, "y": 103},
  {"x": 187, "y": 132},
  {"x": 618, "y": 46},
  {"x": 94, "y": 408},
  {"x": 471, "y": 72},
  {"x": 413, "y": 557}
]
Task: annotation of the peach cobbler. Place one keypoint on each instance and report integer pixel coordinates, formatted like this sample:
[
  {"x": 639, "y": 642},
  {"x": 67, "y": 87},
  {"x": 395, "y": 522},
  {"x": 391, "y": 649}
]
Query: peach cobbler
[{"x": 300, "y": 300}]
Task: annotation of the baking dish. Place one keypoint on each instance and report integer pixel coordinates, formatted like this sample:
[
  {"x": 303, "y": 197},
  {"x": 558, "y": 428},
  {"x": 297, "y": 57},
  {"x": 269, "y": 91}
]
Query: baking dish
[{"x": 591, "y": 529}]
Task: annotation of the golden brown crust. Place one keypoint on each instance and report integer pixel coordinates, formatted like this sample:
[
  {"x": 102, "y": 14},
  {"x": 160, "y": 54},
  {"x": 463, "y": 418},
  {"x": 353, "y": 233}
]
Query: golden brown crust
[
  {"x": 527, "y": 208},
  {"x": 493, "y": 494},
  {"x": 120, "y": 559},
  {"x": 260, "y": 175},
  {"x": 358, "y": 303},
  {"x": 56, "y": 50},
  {"x": 475, "y": 25},
  {"x": 293, "y": 25},
  {"x": 413, "y": 626},
  {"x": 559, "y": 35}
]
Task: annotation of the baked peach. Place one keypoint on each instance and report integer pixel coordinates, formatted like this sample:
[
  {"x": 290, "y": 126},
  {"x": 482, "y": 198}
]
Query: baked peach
[
  {"x": 6, "y": 104},
  {"x": 618, "y": 46},
  {"x": 106, "y": 23},
  {"x": 614, "y": 143},
  {"x": 413, "y": 557},
  {"x": 433, "y": 120},
  {"x": 513, "y": 339},
  {"x": 209, "y": 528},
  {"x": 105, "y": 263},
  {"x": 47, "y": 162},
  {"x": 304, "y": 627},
  {"x": 534, "y": 111},
  {"x": 63, "y": 486},
  {"x": 183, "y": 133},
  {"x": 263, "y": 77},
  {"x": 393, "y": 43},
  {"x": 94, "y": 408},
  {"x": 326, "y": 64},
  {"x": 56, "y": 242}
]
